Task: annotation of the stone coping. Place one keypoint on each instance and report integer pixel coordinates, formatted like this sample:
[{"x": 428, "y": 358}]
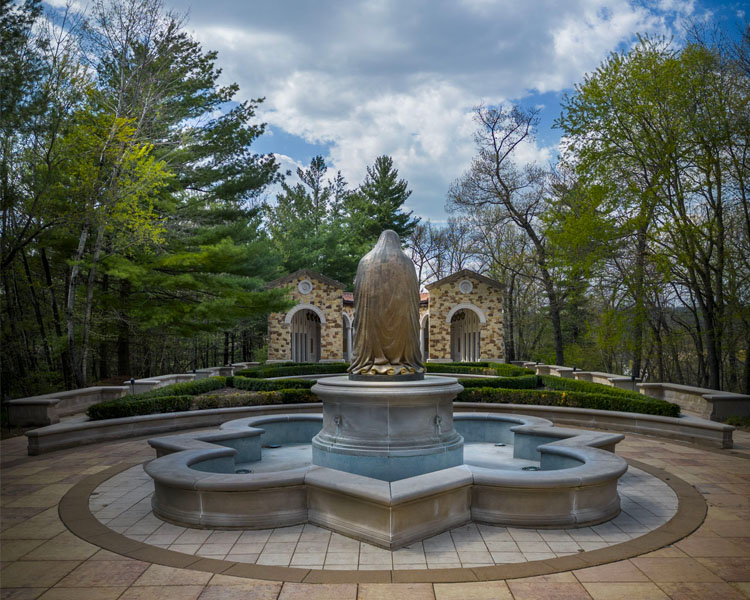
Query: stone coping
[
  {"x": 196, "y": 483},
  {"x": 68, "y": 435},
  {"x": 75, "y": 514}
]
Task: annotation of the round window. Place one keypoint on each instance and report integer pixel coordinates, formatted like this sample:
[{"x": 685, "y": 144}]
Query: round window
[
  {"x": 304, "y": 287},
  {"x": 465, "y": 286}
]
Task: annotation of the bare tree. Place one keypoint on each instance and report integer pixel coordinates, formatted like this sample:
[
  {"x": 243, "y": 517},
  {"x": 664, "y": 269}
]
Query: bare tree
[{"x": 495, "y": 179}]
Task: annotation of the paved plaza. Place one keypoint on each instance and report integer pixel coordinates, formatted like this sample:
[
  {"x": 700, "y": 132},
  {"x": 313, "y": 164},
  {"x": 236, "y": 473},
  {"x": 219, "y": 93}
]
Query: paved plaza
[{"x": 101, "y": 493}]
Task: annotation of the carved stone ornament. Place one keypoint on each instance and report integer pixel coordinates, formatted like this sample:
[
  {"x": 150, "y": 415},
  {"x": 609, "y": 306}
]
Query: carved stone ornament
[
  {"x": 304, "y": 287},
  {"x": 465, "y": 286}
]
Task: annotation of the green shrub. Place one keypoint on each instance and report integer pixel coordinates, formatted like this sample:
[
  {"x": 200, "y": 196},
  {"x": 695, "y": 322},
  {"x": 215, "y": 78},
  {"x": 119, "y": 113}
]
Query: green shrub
[
  {"x": 267, "y": 385},
  {"x": 642, "y": 404},
  {"x": 478, "y": 368},
  {"x": 293, "y": 369},
  {"x": 736, "y": 421},
  {"x": 524, "y": 382},
  {"x": 255, "y": 398},
  {"x": 136, "y": 405},
  {"x": 573, "y": 385},
  {"x": 187, "y": 388}
]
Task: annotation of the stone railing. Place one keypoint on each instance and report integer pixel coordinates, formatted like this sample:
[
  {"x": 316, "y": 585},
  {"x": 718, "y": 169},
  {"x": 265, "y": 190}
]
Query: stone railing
[
  {"x": 48, "y": 409},
  {"x": 695, "y": 401}
]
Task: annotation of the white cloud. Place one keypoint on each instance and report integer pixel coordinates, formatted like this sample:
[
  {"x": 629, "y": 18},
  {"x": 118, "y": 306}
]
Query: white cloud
[{"x": 401, "y": 78}]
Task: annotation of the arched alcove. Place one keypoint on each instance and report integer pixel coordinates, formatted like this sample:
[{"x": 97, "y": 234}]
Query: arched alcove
[
  {"x": 305, "y": 336},
  {"x": 465, "y": 336}
]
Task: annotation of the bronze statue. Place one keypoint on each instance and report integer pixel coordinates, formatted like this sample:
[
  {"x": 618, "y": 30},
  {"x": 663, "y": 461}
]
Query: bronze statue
[{"x": 386, "y": 314}]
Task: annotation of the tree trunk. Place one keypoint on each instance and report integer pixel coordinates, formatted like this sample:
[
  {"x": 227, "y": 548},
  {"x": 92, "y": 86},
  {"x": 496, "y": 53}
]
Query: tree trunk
[
  {"x": 37, "y": 311},
  {"x": 56, "y": 318},
  {"x": 70, "y": 309},
  {"x": 86, "y": 326},
  {"x": 554, "y": 313},
  {"x": 123, "y": 332}
]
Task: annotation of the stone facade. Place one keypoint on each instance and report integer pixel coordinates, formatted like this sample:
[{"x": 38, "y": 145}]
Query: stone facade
[
  {"x": 464, "y": 290},
  {"x": 324, "y": 298},
  {"x": 450, "y": 295}
]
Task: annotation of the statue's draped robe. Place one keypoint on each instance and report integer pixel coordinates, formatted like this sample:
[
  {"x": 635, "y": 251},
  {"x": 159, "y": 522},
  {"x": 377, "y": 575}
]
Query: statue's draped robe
[{"x": 386, "y": 312}]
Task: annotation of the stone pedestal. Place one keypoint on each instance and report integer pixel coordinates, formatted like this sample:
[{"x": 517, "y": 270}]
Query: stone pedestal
[{"x": 387, "y": 430}]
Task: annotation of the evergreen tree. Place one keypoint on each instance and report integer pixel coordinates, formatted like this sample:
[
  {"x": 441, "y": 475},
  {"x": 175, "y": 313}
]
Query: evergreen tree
[
  {"x": 378, "y": 205},
  {"x": 307, "y": 224}
]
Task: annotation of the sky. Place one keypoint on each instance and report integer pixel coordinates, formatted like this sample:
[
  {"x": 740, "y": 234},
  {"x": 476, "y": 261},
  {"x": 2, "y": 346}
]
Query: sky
[{"x": 355, "y": 79}]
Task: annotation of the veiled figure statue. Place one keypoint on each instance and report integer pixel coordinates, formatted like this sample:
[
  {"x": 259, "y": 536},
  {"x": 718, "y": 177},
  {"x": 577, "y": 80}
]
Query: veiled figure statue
[{"x": 386, "y": 314}]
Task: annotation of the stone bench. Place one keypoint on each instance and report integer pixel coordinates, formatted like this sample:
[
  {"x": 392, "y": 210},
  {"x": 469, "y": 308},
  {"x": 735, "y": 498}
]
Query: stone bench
[
  {"x": 702, "y": 402},
  {"x": 556, "y": 370},
  {"x": 610, "y": 379},
  {"x": 50, "y": 408}
]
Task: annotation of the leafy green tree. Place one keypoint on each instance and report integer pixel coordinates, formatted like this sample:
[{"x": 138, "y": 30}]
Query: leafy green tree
[
  {"x": 659, "y": 130},
  {"x": 129, "y": 189}
]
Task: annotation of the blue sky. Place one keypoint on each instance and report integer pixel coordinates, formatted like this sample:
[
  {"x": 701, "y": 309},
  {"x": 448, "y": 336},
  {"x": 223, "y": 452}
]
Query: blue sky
[{"x": 354, "y": 79}]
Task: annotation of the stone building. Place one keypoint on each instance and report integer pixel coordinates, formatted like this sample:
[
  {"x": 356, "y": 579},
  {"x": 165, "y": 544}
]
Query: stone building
[{"x": 460, "y": 320}]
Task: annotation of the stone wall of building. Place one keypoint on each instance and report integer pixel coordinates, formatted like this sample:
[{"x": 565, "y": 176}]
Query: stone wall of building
[
  {"x": 485, "y": 295},
  {"x": 326, "y": 296}
]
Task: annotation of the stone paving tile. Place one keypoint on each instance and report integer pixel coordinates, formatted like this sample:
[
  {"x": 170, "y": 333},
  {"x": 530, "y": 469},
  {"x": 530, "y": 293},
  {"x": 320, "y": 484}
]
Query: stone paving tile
[
  {"x": 302, "y": 591},
  {"x": 553, "y": 590},
  {"x": 36, "y": 573},
  {"x": 161, "y": 575},
  {"x": 14, "y": 549},
  {"x": 625, "y": 591},
  {"x": 493, "y": 590},
  {"x": 163, "y": 592},
  {"x": 621, "y": 571},
  {"x": 701, "y": 591},
  {"x": 104, "y": 574},
  {"x": 91, "y": 593},
  {"x": 395, "y": 591},
  {"x": 64, "y": 546}
]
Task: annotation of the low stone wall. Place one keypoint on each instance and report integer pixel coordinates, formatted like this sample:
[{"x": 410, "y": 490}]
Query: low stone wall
[
  {"x": 49, "y": 408},
  {"x": 694, "y": 401},
  {"x": 703, "y": 402},
  {"x": 68, "y": 435}
]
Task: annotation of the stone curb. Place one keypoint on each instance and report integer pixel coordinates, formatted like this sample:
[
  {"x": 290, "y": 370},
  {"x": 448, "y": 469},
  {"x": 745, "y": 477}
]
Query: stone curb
[{"x": 75, "y": 514}]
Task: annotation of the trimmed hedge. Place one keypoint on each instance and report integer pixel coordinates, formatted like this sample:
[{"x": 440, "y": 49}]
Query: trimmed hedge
[
  {"x": 187, "y": 388},
  {"x": 132, "y": 406},
  {"x": 525, "y": 382},
  {"x": 573, "y": 385},
  {"x": 288, "y": 396},
  {"x": 294, "y": 369},
  {"x": 478, "y": 368},
  {"x": 266, "y": 385},
  {"x": 642, "y": 405}
]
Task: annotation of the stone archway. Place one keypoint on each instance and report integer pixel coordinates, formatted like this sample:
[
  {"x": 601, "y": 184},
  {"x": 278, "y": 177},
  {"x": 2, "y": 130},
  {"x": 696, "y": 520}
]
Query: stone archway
[
  {"x": 305, "y": 336},
  {"x": 465, "y": 336}
]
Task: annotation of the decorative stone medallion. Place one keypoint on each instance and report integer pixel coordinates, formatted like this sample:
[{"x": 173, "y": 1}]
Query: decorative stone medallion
[
  {"x": 465, "y": 286},
  {"x": 304, "y": 286}
]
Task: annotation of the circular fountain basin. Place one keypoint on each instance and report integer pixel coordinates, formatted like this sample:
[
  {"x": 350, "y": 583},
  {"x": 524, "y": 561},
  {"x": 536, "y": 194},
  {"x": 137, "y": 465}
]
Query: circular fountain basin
[{"x": 196, "y": 483}]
